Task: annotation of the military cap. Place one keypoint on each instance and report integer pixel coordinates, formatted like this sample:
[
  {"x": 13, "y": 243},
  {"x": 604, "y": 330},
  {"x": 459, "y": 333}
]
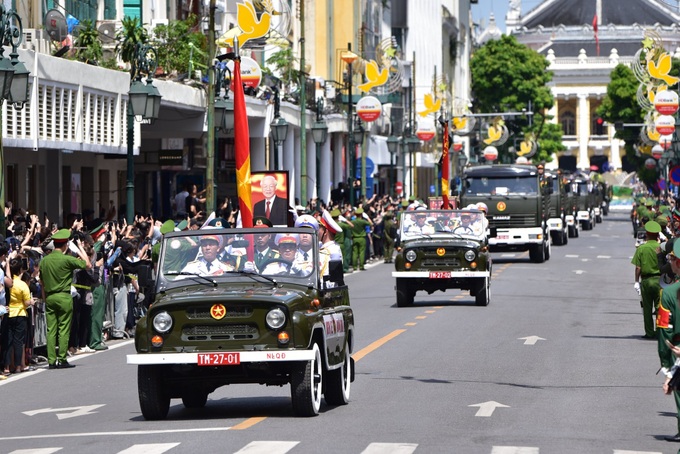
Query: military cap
[
  {"x": 95, "y": 232},
  {"x": 652, "y": 227},
  {"x": 404, "y": 203},
  {"x": 662, "y": 220},
  {"x": 182, "y": 225},
  {"x": 411, "y": 199},
  {"x": 261, "y": 221},
  {"x": 676, "y": 214},
  {"x": 219, "y": 223},
  {"x": 335, "y": 213},
  {"x": 62, "y": 235},
  {"x": 649, "y": 202},
  {"x": 307, "y": 220},
  {"x": 167, "y": 227},
  {"x": 329, "y": 223},
  {"x": 359, "y": 211},
  {"x": 283, "y": 238},
  {"x": 216, "y": 238}
]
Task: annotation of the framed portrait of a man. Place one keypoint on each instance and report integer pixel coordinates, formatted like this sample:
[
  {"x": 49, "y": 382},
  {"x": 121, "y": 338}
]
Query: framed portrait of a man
[{"x": 270, "y": 196}]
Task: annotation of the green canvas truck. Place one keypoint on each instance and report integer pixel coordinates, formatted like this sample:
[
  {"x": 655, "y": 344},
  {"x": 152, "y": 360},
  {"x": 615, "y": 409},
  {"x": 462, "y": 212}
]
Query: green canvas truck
[{"x": 518, "y": 199}]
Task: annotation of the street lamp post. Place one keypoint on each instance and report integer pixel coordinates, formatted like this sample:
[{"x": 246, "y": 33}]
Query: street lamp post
[
  {"x": 358, "y": 140},
  {"x": 279, "y": 127},
  {"x": 392, "y": 146},
  {"x": 222, "y": 118},
  {"x": 13, "y": 83},
  {"x": 319, "y": 134},
  {"x": 349, "y": 57},
  {"x": 144, "y": 101}
]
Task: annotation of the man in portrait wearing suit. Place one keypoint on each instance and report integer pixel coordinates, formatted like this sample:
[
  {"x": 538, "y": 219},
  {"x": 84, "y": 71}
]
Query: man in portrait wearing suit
[{"x": 271, "y": 207}]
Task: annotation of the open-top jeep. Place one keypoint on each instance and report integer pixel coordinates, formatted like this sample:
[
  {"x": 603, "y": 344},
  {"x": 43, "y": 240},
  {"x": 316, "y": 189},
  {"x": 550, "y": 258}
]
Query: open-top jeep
[
  {"x": 440, "y": 250},
  {"x": 244, "y": 306}
]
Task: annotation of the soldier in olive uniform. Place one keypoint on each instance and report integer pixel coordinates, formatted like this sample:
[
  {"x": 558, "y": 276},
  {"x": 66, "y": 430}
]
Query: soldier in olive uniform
[
  {"x": 56, "y": 276},
  {"x": 647, "y": 276},
  {"x": 668, "y": 328},
  {"x": 344, "y": 239},
  {"x": 359, "y": 239},
  {"x": 263, "y": 242},
  {"x": 390, "y": 233}
]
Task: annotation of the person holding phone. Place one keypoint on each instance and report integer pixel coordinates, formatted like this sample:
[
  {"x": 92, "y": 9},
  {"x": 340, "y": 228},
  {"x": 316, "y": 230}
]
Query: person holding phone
[{"x": 17, "y": 323}]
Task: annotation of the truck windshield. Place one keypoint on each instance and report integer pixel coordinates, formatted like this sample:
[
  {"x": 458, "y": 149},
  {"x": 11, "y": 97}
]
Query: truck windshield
[{"x": 502, "y": 186}]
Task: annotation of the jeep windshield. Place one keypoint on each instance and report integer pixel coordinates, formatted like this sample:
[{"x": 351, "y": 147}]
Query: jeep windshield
[
  {"x": 504, "y": 186},
  {"x": 222, "y": 255},
  {"x": 429, "y": 223}
]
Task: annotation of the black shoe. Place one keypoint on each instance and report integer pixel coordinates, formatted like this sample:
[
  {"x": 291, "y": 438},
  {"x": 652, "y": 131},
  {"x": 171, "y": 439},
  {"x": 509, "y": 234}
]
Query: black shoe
[
  {"x": 65, "y": 365},
  {"x": 675, "y": 438},
  {"x": 648, "y": 337},
  {"x": 52, "y": 366}
]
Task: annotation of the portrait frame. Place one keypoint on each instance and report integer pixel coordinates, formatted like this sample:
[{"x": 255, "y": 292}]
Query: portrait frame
[{"x": 279, "y": 212}]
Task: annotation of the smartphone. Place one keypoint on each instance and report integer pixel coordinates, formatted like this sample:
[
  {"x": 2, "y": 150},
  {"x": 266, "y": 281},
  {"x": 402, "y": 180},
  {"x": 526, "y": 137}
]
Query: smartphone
[{"x": 24, "y": 263}]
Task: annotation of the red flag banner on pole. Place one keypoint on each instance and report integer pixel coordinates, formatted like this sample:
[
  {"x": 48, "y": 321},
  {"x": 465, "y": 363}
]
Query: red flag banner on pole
[
  {"x": 242, "y": 149},
  {"x": 597, "y": 40},
  {"x": 445, "y": 167}
]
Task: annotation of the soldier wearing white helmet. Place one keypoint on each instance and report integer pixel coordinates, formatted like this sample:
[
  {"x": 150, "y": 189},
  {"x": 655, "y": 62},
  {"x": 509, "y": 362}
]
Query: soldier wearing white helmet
[
  {"x": 329, "y": 249},
  {"x": 304, "y": 254},
  {"x": 482, "y": 223}
]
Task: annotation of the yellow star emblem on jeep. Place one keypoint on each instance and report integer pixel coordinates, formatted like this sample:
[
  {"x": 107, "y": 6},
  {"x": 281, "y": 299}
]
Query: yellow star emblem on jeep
[
  {"x": 501, "y": 206},
  {"x": 217, "y": 311},
  {"x": 441, "y": 251}
]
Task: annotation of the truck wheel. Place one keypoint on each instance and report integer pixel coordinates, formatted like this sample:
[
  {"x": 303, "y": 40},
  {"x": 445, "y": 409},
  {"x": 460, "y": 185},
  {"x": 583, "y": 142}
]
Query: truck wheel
[
  {"x": 483, "y": 295},
  {"x": 338, "y": 382},
  {"x": 548, "y": 250},
  {"x": 537, "y": 253},
  {"x": 404, "y": 293},
  {"x": 306, "y": 383},
  {"x": 195, "y": 399},
  {"x": 565, "y": 237},
  {"x": 154, "y": 400},
  {"x": 598, "y": 219},
  {"x": 572, "y": 231}
]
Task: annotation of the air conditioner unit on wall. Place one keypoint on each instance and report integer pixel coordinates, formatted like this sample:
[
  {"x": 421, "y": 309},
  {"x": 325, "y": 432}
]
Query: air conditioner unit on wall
[{"x": 107, "y": 32}]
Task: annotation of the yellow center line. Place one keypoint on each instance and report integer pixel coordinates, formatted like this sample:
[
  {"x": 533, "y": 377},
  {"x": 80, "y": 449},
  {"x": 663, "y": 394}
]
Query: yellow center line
[
  {"x": 375, "y": 345},
  {"x": 421, "y": 317},
  {"x": 410, "y": 324},
  {"x": 430, "y": 312},
  {"x": 248, "y": 423}
]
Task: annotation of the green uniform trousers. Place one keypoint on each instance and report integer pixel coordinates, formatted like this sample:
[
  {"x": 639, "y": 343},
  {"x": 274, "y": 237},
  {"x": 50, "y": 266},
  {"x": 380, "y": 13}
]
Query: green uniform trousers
[
  {"x": 650, "y": 291},
  {"x": 358, "y": 252},
  {"x": 389, "y": 249},
  {"x": 59, "y": 313},
  {"x": 346, "y": 254},
  {"x": 98, "y": 312}
]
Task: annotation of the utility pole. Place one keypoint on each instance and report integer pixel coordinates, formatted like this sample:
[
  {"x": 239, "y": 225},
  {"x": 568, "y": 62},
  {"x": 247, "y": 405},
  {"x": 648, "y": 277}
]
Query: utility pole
[{"x": 303, "y": 110}]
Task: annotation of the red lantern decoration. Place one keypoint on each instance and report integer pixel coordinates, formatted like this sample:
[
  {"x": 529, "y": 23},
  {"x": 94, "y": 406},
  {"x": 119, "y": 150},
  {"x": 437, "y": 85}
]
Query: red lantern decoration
[{"x": 490, "y": 153}]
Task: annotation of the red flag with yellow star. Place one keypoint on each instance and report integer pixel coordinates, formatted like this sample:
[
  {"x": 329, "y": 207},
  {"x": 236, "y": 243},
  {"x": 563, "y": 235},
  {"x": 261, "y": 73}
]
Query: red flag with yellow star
[
  {"x": 445, "y": 168},
  {"x": 242, "y": 149}
]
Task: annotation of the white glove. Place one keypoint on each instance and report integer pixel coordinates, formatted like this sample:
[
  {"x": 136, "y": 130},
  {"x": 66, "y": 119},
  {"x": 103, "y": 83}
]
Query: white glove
[
  {"x": 342, "y": 218},
  {"x": 249, "y": 267},
  {"x": 636, "y": 286},
  {"x": 364, "y": 215}
]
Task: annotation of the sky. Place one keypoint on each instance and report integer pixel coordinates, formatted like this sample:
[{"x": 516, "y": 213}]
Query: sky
[{"x": 484, "y": 8}]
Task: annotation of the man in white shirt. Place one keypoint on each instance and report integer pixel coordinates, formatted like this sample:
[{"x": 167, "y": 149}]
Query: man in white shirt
[{"x": 208, "y": 264}]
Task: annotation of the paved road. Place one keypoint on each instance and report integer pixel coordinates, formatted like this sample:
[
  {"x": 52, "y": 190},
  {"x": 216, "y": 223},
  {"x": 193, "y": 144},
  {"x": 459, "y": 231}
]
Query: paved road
[{"x": 554, "y": 364}]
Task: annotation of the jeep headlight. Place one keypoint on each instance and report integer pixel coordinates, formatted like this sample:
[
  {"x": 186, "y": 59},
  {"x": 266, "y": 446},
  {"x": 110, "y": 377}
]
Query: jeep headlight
[
  {"x": 275, "y": 318},
  {"x": 470, "y": 255},
  {"x": 162, "y": 322},
  {"x": 411, "y": 255}
]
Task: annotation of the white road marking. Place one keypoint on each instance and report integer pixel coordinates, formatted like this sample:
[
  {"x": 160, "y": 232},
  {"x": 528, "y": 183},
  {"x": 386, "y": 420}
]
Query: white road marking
[
  {"x": 530, "y": 340},
  {"x": 508, "y": 255},
  {"x": 156, "y": 448},
  {"x": 486, "y": 409},
  {"x": 72, "y": 412},
  {"x": 267, "y": 447},
  {"x": 513, "y": 450},
  {"x": 579, "y": 271},
  {"x": 585, "y": 260},
  {"x": 620, "y": 451},
  {"x": 604, "y": 256},
  {"x": 571, "y": 256},
  {"x": 390, "y": 448},
  {"x": 122, "y": 432},
  {"x": 36, "y": 451}
]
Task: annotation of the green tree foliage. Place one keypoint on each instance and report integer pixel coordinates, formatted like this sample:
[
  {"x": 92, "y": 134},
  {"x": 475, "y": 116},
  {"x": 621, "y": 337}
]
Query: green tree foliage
[
  {"x": 88, "y": 45},
  {"x": 285, "y": 65},
  {"x": 620, "y": 105},
  {"x": 174, "y": 41},
  {"x": 507, "y": 76},
  {"x": 131, "y": 32}
]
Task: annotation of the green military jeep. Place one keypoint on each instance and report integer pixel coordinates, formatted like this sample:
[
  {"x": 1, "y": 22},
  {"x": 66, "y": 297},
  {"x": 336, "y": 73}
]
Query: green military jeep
[
  {"x": 242, "y": 306},
  {"x": 440, "y": 250}
]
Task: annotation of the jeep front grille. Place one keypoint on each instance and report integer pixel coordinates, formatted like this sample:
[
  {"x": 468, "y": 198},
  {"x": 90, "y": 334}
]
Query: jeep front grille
[
  {"x": 194, "y": 313},
  {"x": 432, "y": 260},
  {"x": 219, "y": 332}
]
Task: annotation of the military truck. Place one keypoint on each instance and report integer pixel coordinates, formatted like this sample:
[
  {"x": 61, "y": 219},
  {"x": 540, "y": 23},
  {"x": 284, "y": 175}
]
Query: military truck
[
  {"x": 559, "y": 207},
  {"x": 518, "y": 200},
  {"x": 571, "y": 207},
  {"x": 585, "y": 214}
]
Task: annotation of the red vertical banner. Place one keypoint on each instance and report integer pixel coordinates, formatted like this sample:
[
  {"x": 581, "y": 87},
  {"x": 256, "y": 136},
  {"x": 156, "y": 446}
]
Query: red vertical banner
[
  {"x": 597, "y": 39},
  {"x": 445, "y": 167},
  {"x": 242, "y": 149}
]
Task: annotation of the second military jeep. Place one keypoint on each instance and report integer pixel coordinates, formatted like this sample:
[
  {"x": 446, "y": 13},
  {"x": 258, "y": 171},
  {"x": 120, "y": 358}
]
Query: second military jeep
[
  {"x": 440, "y": 250},
  {"x": 242, "y": 306}
]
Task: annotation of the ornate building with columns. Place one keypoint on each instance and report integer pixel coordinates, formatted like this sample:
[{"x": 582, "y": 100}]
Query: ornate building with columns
[{"x": 584, "y": 40}]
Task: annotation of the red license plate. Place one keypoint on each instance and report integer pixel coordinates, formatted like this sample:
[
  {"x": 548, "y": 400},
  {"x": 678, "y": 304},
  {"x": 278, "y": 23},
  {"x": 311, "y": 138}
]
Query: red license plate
[
  {"x": 219, "y": 359},
  {"x": 440, "y": 274}
]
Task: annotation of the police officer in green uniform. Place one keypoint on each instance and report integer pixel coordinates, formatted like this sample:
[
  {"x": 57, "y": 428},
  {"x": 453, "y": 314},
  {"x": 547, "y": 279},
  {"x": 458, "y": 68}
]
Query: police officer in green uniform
[
  {"x": 56, "y": 276},
  {"x": 359, "y": 239},
  {"x": 344, "y": 239},
  {"x": 98, "y": 292},
  {"x": 647, "y": 276},
  {"x": 668, "y": 328},
  {"x": 390, "y": 233}
]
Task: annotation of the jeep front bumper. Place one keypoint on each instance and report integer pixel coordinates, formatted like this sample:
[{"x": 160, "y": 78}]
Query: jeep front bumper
[{"x": 242, "y": 357}]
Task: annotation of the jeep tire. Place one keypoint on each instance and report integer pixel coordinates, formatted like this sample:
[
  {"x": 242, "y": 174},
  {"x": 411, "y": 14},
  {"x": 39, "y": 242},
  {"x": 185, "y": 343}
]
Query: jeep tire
[
  {"x": 154, "y": 400},
  {"x": 306, "y": 383},
  {"x": 483, "y": 293},
  {"x": 338, "y": 382},
  {"x": 404, "y": 293}
]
